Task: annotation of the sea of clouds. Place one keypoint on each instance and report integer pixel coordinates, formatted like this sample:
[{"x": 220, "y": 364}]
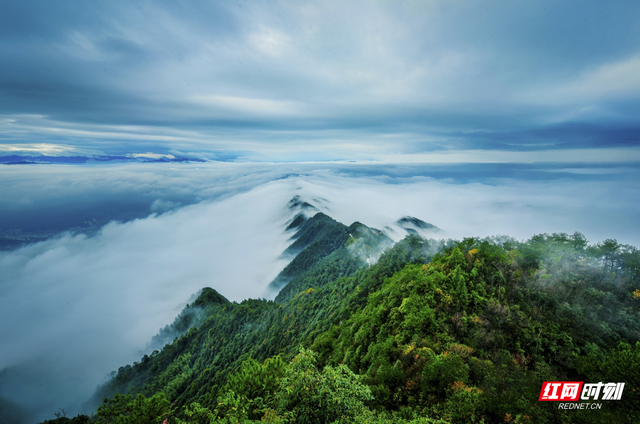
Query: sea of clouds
[{"x": 75, "y": 307}]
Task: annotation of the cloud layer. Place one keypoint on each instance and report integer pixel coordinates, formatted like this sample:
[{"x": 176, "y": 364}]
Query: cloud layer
[
  {"x": 301, "y": 80},
  {"x": 90, "y": 305}
]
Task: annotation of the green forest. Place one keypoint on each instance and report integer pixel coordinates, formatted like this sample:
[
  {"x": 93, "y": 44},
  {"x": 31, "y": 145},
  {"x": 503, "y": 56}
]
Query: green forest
[{"x": 421, "y": 331}]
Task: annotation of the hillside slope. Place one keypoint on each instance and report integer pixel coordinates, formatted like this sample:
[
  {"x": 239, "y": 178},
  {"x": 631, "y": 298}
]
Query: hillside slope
[{"x": 432, "y": 332}]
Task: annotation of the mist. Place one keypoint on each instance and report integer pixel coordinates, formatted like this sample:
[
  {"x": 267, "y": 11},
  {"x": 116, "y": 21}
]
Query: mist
[
  {"x": 91, "y": 304},
  {"x": 76, "y": 307}
]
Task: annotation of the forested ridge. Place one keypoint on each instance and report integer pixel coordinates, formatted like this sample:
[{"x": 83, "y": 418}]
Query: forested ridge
[{"x": 430, "y": 332}]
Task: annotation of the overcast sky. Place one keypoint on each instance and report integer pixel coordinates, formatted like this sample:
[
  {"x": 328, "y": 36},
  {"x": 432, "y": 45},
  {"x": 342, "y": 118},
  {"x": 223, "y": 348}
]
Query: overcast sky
[{"x": 455, "y": 81}]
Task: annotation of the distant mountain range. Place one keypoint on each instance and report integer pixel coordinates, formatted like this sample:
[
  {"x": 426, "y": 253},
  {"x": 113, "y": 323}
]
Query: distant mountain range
[{"x": 44, "y": 159}]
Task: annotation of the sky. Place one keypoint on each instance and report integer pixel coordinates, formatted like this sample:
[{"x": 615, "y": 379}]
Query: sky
[
  {"x": 285, "y": 81},
  {"x": 153, "y": 147}
]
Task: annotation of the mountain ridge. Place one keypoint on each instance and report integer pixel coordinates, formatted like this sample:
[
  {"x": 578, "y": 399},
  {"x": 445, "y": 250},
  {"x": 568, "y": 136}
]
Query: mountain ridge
[{"x": 442, "y": 330}]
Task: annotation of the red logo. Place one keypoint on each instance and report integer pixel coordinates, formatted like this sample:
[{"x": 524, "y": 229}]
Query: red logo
[{"x": 560, "y": 390}]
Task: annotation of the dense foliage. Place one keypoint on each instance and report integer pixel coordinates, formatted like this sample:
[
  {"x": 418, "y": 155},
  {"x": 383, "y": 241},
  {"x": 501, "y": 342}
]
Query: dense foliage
[{"x": 456, "y": 332}]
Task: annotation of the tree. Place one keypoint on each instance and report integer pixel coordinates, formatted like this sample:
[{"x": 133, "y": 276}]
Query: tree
[
  {"x": 123, "y": 410},
  {"x": 321, "y": 397},
  {"x": 608, "y": 250}
]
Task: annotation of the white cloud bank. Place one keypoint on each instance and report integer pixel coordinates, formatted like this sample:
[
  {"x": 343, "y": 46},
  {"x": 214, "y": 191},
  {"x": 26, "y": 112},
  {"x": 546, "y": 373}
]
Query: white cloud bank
[{"x": 90, "y": 305}]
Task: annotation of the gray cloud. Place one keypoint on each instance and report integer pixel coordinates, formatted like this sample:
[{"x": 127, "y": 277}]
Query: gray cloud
[{"x": 255, "y": 76}]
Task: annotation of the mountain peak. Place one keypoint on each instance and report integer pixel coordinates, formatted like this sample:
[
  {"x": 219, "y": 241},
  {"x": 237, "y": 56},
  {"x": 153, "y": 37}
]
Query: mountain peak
[
  {"x": 412, "y": 224},
  {"x": 297, "y": 202},
  {"x": 209, "y": 296}
]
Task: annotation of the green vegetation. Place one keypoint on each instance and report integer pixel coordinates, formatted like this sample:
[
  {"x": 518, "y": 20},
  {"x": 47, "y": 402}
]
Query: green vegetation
[{"x": 433, "y": 332}]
